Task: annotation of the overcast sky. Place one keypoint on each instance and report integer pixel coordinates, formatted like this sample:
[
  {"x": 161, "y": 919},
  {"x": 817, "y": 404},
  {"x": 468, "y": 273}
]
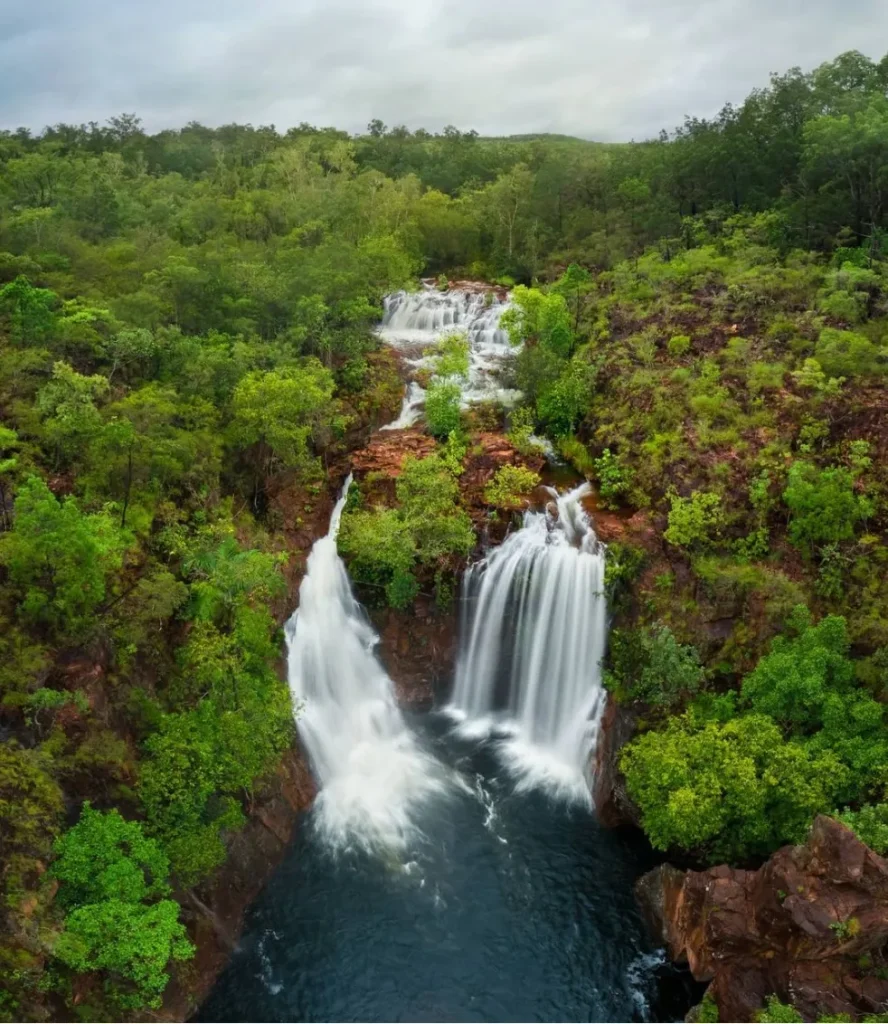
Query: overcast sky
[{"x": 601, "y": 69}]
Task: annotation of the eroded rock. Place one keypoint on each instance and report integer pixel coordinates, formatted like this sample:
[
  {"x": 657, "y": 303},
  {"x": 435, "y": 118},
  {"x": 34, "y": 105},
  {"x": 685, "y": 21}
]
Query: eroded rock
[{"x": 797, "y": 927}]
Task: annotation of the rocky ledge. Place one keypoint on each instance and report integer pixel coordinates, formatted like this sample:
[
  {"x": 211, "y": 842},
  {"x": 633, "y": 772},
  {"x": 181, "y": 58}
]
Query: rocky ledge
[{"x": 807, "y": 926}]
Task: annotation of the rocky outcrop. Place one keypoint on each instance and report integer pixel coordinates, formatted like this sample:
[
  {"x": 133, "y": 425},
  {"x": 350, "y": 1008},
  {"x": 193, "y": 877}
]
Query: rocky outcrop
[
  {"x": 613, "y": 805},
  {"x": 802, "y": 927},
  {"x": 418, "y": 648}
]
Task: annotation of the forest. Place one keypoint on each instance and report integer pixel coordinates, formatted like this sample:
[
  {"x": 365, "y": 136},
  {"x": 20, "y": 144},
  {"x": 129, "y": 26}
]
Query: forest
[{"x": 187, "y": 329}]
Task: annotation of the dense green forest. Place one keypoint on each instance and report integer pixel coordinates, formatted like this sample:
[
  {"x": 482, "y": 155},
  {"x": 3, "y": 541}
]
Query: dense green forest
[{"x": 186, "y": 330}]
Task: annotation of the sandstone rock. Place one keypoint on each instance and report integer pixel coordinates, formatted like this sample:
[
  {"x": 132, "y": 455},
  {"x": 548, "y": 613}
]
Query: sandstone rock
[
  {"x": 795, "y": 928},
  {"x": 613, "y": 804}
]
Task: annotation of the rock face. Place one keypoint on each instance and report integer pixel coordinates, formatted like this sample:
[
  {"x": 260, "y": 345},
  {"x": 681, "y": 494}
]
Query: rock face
[
  {"x": 214, "y": 912},
  {"x": 799, "y": 927},
  {"x": 613, "y": 805}
]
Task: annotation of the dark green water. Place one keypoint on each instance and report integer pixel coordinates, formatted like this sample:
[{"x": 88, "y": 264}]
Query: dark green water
[{"x": 507, "y": 908}]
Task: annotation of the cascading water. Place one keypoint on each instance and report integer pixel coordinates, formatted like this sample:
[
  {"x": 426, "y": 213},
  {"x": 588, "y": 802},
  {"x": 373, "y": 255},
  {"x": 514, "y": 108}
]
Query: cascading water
[
  {"x": 533, "y": 636},
  {"x": 372, "y": 773},
  {"x": 415, "y": 322}
]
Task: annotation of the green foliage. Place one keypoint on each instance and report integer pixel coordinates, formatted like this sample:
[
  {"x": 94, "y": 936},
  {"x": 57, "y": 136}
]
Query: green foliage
[
  {"x": 130, "y": 942},
  {"x": 728, "y": 790},
  {"x": 694, "y": 521},
  {"x": 536, "y": 318},
  {"x": 797, "y": 680},
  {"x": 870, "y": 823},
  {"x": 649, "y": 665},
  {"x": 846, "y": 354},
  {"x": 678, "y": 345},
  {"x": 113, "y": 880},
  {"x": 776, "y": 1012},
  {"x": 452, "y": 356},
  {"x": 613, "y": 478},
  {"x": 383, "y": 546},
  {"x": 429, "y": 499},
  {"x": 510, "y": 485},
  {"x": 30, "y": 814},
  {"x": 381, "y": 551},
  {"x": 282, "y": 411},
  {"x": 105, "y": 857},
  {"x": 59, "y": 558},
  {"x": 442, "y": 407},
  {"x": 824, "y": 505}
]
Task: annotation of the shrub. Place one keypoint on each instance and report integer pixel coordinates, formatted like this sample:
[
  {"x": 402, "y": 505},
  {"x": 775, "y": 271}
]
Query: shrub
[
  {"x": 650, "y": 665},
  {"x": 824, "y": 507},
  {"x": 442, "y": 407},
  {"x": 870, "y": 824},
  {"x": 613, "y": 478},
  {"x": 678, "y": 345},
  {"x": 510, "y": 486},
  {"x": 452, "y": 357},
  {"x": 847, "y": 354},
  {"x": 694, "y": 521}
]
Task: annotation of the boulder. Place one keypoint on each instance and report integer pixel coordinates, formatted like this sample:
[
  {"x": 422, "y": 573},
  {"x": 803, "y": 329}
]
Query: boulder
[{"x": 798, "y": 927}]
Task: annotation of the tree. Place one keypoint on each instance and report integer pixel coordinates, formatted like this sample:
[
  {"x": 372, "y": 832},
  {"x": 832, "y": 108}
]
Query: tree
[
  {"x": 824, "y": 506},
  {"x": 59, "y": 558},
  {"x": 280, "y": 412},
  {"x": 29, "y": 311},
  {"x": 729, "y": 790},
  {"x": 68, "y": 405},
  {"x": 650, "y": 665}
]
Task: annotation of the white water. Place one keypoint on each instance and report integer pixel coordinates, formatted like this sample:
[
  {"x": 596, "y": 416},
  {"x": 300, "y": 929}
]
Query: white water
[
  {"x": 415, "y": 322},
  {"x": 411, "y": 408},
  {"x": 371, "y": 771},
  {"x": 533, "y": 636}
]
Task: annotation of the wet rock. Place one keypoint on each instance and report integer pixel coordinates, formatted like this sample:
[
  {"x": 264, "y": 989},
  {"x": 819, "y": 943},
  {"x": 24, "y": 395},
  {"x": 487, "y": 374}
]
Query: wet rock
[
  {"x": 613, "y": 804},
  {"x": 796, "y": 928},
  {"x": 418, "y": 649}
]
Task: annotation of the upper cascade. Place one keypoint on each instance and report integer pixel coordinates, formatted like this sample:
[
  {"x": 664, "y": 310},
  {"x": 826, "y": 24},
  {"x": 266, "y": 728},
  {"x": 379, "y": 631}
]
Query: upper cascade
[
  {"x": 533, "y": 635},
  {"x": 415, "y": 322},
  {"x": 371, "y": 770}
]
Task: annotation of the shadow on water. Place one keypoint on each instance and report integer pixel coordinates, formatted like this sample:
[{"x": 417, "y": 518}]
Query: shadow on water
[{"x": 506, "y": 908}]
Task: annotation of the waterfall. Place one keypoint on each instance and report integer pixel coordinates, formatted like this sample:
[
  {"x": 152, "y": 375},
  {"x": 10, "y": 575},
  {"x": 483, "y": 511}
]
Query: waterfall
[
  {"x": 533, "y": 636},
  {"x": 370, "y": 768},
  {"x": 415, "y": 322},
  {"x": 414, "y": 397}
]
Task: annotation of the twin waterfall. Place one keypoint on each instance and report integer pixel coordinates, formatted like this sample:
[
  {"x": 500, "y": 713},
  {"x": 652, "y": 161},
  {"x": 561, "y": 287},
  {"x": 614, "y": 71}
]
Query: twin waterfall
[{"x": 533, "y": 635}]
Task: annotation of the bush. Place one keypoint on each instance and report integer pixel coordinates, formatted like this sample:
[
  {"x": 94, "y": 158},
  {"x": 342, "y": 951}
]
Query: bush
[
  {"x": 510, "y": 486},
  {"x": 649, "y": 665},
  {"x": 823, "y": 504},
  {"x": 847, "y": 354},
  {"x": 442, "y": 407},
  {"x": 678, "y": 345},
  {"x": 870, "y": 824},
  {"x": 694, "y": 521},
  {"x": 613, "y": 478}
]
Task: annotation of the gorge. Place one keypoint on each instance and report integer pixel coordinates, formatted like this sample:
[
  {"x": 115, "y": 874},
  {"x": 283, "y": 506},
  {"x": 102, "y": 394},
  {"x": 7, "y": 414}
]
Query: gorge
[{"x": 451, "y": 866}]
